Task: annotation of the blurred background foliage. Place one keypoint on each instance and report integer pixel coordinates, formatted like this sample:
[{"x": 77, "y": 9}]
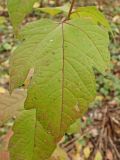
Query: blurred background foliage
[{"x": 98, "y": 136}]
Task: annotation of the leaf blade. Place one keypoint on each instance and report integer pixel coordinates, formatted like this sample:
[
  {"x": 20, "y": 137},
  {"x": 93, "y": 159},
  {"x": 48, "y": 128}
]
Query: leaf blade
[
  {"x": 30, "y": 141},
  {"x": 53, "y": 11},
  {"x": 93, "y": 13},
  {"x": 63, "y": 83},
  {"x": 11, "y": 105},
  {"x": 18, "y": 9}
]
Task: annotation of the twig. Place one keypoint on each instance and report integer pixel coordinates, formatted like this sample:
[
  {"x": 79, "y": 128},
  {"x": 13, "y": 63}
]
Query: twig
[
  {"x": 103, "y": 127},
  {"x": 98, "y": 144},
  {"x": 115, "y": 149},
  {"x": 71, "y": 7},
  {"x": 4, "y": 13}
]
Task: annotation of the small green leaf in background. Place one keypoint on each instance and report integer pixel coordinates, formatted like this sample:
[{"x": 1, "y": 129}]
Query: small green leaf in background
[
  {"x": 82, "y": 142},
  {"x": 50, "y": 10},
  {"x": 18, "y": 9},
  {"x": 98, "y": 156},
  {"x": 74, "y": 128},
  {"x": 6, "y": 46},
  {"x": 86, "y": 152},
  {"x": 55, "y": 10},
  {"x": 2, "y": 20}
]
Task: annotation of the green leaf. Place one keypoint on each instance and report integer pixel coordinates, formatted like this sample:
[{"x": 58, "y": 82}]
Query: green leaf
[
  {"x": 74, "y": 128},
  {"x": 30, "y": 141},
  {"x": 7, "y": 46},
  {"x": 50, "y": 10},
  {"x": 55, "y": 10},
  {"x": 93, "y": 13},
  {"x": 18, "y": 9},
  {"x": 2, "y": 20},
  {"x": 63, "y": 56},
  {"x": 87, "y": 152},
  {"x": 11, "y": 105},
  {"x": 59, "y": 154},
  {"x": 98, "y": 156}
]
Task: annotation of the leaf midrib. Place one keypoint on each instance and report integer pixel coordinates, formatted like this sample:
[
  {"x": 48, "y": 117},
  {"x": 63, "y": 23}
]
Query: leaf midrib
[{"x": 62, "y": 108}]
